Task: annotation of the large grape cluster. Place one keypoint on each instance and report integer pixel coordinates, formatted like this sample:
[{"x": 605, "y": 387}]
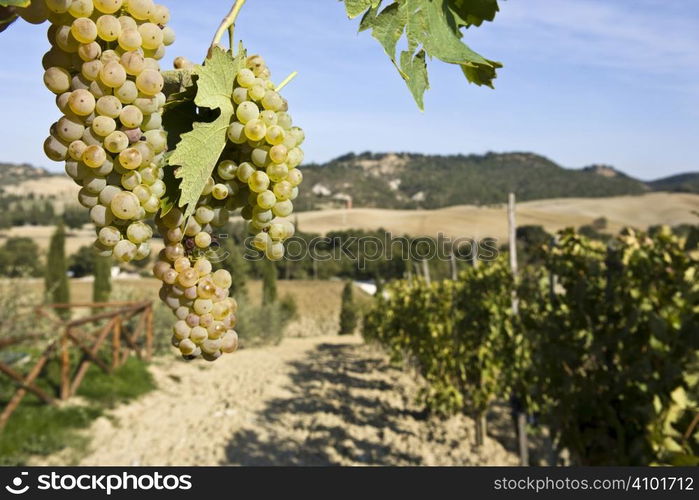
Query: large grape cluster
[
  {"x": 257, "y": 171},
  {"x": 199, "y": 298},
  {"x": 103, "y": 66}
]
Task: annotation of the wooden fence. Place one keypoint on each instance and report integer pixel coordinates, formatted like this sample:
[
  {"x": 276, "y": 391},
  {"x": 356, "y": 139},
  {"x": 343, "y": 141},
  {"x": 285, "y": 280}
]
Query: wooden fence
[{"x": 75, "y": 335}]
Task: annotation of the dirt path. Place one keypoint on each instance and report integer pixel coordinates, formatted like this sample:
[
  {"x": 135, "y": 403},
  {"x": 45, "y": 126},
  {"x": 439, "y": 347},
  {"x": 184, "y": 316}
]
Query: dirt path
[{"x": 308, "y": 401}]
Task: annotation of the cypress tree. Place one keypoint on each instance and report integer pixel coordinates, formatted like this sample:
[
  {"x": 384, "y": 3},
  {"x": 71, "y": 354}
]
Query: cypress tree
[
  {"x": 102, "y": 286},
  {"x": 269, "y": 282},
  {"x": 348, "y": 311},
  {"x": 56, "y": 281}
]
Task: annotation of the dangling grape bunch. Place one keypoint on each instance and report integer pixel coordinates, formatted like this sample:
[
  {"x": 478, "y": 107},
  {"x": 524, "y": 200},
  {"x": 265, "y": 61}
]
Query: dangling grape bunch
[
  {"x": 103, "y": 67},
  {"x": 256, "y": 173}
]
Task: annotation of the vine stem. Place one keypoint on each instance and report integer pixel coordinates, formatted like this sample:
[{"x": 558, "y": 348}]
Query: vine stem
[
  {"x": 228, "y": 23},
  {"x": 286, "y": 81}
]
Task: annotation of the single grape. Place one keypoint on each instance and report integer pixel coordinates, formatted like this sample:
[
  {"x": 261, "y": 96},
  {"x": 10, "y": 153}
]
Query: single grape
[{"x": 125, "y": 205}]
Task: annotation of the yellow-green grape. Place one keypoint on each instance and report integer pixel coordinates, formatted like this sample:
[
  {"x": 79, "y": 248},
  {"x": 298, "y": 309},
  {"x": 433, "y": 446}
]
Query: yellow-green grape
[
  {"x": 278, "y": 153},
  {"x": 240, "y": 94},
  {"x": 127, "y": 93},
  {"x": 134, "y": 62},
  {"x": 202, "y": 267},
  {"x": 294, "y": 158},
  {"x": 282, "y": 190},
  {"x": 146, "y": 152},
  {"x": 127, "y": 22},
  {"x": 244, "y": 172},
  {"x": 269, "y": 117},
  {"x": 220, "y": 192},
  {"x": 113, "y": 75},
  {"x": 151, "y": 34},
  {"x": 62, "y": 102},
  {"x": 130, "y": 158},
  {"x": 275, "y": 135},
  {"x": 226, "y": 170},
  {"x": 108, "y": 105},
  {"x": 84, "y": 30},
  {"x": 229, "y": 342},
  {"x": 295, "y": 177},
  {"x": 168, "y": 36},
  {"x": 272, "y": 101},
  {"x": 203, "y": 240},
  {"x": 130, "y": 180},
  {"x": 142, "y": 192},
  {"x": 247, "y": 111},
  {"x": 103, "y": 125},
  {"x": 257, "y": 92},
  {"x": 255, "y": 130},
  {"x": 258, "y": 182},
  {"x": 94, "y": 156},
  {"x": 125, "y": 205},
  {"x": 69, "y": 129},
  {"x": 150, "y": 82},
  {"x": 260, "y": 156},
  {"x": 109, "y": 236},
  {"x": 147, "y": 104},
  {"x": 140, "y": 9},
  {"x": 129, "y": 39},
  {"x": 277, "y": 172},
  {"x": 160, "y": 15},
  {"x": 108, "y": 28},
  {"x": 57, "y": 80},
  {"x": 76, "y": 150},
  {"x": 153, "y": 121},
  {"x": 261, "y": 241},
  {"x": 236, "y": 133},
  {"x": 187, "y": 347},
  {"x": 58, "y": 6},
  {"x": 65, "y": 40},
  {"x": 157, "y": 139},
  {"x": 181, "y": 264},
  {"x": 222, "y": 279},
  {"x": 139, "y": 232},
  {"x": 266, "y": 200},
  {"x": 131, "y": 117},
  {"x": 116, "y": 142},
  {"x": 91, "y": 70},
  {"x": 284, "y": 120},
  {"x": 275, "y": 251},
  {"x": 108, "y": 193},
  {"x": 108, "y": 6},
  {"x": 125, "y": 251},
  {"x": 283, "y": 208},
  {"x": 246, "y": 78},
  {"x": 90, "y": 51},
  {"x": 181, "y": 330},
  {"x": 277, "y": 232},
  {"x": 81, "y": 8},
  {"x": 188, "y": 278},
  {"x": 198, "y": 335},
  {"x": 55, "y": 149}
]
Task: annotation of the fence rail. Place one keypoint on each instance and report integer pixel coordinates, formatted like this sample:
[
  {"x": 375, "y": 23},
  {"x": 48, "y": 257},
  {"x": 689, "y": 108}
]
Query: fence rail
[{"x": 77, "y": 335}]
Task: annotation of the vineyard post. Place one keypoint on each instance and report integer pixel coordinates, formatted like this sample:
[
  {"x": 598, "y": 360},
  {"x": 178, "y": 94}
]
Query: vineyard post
[
  {"x": 454, "y": 270},
  {"x": 65, "y": 365},
  {"x": 512, "y": 226},
  {"x": 426, "y": 271}
]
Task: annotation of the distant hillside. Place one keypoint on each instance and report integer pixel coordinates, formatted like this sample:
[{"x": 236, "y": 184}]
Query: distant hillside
[
  {"x": 409, "y": 181},
  {"x": 12, "y": 174},
  {"x": 420, "y": 181},
  {"x": 683, "y": 183}
]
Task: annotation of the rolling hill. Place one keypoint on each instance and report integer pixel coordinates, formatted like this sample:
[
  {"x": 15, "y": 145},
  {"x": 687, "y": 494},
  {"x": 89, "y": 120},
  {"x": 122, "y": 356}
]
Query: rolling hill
[{"x": 415, "y": 181}]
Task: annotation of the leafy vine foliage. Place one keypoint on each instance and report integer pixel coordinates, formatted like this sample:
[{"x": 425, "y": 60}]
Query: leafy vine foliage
[
  {"x": 604, "y": 348},
  {"x": 432, "y": 28}
]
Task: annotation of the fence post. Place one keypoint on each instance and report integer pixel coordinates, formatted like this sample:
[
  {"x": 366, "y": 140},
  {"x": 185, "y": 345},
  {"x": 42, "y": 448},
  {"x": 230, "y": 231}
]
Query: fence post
[
  {"x": 116, "y": 343},
  {"x": 149, "y": 332},
  {"x": 426, "y": 271},
  {"x": 65, "y": 364},
  {"x": 514, "y": 267}
]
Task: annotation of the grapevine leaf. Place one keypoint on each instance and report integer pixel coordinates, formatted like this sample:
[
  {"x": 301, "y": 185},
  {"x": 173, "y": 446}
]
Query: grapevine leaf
[
  {"x": 198, "y": 150},
  {"x": 15, "y": 3},
  {"x": 415, "y": 69},
  {"x": 356, "y": 7},
  {"x": 179, "y": 85},
  {"x": 473, "y": 12},
  {"x": 432, "y": 28}
]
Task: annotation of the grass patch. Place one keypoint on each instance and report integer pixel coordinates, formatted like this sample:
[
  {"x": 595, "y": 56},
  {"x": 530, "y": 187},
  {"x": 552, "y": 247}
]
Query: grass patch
[{"x": 39, "y": 429}]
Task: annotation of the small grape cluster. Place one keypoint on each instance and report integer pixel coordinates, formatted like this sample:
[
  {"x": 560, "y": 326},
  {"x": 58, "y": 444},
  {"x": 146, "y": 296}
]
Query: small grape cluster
[
  {"x": 103, "y": 66},
  {"x": 199, "y": 298},
  {"x": 257, "y": 172}
]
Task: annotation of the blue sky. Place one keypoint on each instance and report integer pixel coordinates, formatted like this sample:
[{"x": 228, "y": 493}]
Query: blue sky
[{"x": 585, "y": 81}]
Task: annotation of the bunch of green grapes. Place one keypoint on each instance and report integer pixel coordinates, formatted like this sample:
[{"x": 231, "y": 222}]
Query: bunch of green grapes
[
  {"x": 257, "y": 172},
  {"x": 199, "y": 298},
  {"x": 103, "y": 66}
]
